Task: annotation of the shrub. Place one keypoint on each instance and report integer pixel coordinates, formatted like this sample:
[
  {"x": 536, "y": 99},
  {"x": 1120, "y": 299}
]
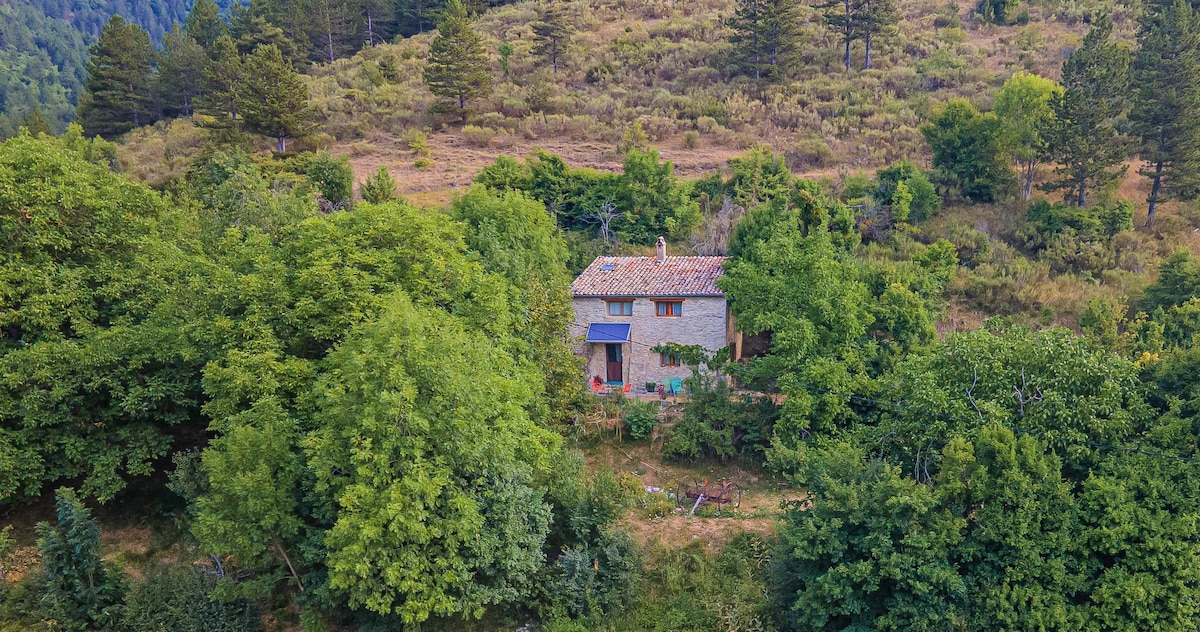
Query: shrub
[
  {"x": 640, "y": 418},
  {"x": 478, "y": 136},
  {"x": 691, "y": 138},
  {"x": 333, "y": 177},
  {"x": 715, "y": 425},
  {"x": 180, "y": 599},
  {"x": 378, "y": 188},
  {"x": 418, "y": 142},
  {"x": 423, "y": 164}
]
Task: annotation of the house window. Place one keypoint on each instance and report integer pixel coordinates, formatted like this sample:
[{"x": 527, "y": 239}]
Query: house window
[
  {"x": 668, "y": 308},
  {"x": 620, "y": 308},
  {"x": 668, "y": 359}
]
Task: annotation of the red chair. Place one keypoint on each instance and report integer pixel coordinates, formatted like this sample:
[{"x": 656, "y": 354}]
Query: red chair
[{"x": 628, "y": 388}]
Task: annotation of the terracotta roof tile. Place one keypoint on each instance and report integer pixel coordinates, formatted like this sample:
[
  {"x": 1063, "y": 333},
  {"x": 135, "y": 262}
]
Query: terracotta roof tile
[{"x": 645, "y": 276}]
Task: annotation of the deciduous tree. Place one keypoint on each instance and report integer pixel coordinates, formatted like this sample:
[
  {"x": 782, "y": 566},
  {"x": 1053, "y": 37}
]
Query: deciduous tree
[
  {"x": 967, "y": 152},
  {"x": 1023, "y": 107}
]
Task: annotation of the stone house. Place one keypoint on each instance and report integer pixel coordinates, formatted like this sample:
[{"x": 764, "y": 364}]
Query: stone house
[{"x": 626, "y": 306}]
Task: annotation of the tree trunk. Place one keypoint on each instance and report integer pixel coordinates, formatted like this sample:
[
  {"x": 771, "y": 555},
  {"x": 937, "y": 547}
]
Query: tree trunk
[
  {"x": 290, "y": 567},
  {"x": 849, "y": 33},
  {"x": 1154, "y": 191},
  {"x": 1027, "y": 177}
]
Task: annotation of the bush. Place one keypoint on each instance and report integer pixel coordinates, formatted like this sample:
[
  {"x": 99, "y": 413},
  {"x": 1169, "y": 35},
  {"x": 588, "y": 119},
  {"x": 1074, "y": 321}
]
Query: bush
[
  {"x": 640, "y": 418},
  {"x": 418, "y": 142},
  {"x": 378, "y": 188},
  {"x": 180, "y": 599},
  {"x": 691, "y": 138},
  {"x": 714, "y": 425},
  {"x": 478, "y": 136},
  {"x": 333, "y": 177}
]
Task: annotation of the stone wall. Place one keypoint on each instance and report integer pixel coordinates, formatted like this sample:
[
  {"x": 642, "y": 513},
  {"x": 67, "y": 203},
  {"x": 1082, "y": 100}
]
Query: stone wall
[{"x": 703, "y": 323}]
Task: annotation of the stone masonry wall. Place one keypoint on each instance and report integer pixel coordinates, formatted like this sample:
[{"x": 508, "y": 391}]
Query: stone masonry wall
[{"x": 702, "y": 323}]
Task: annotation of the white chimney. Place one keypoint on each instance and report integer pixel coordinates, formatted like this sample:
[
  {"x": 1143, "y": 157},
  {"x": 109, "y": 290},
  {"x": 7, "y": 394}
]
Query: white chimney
[{"x": 661, "y": 247}]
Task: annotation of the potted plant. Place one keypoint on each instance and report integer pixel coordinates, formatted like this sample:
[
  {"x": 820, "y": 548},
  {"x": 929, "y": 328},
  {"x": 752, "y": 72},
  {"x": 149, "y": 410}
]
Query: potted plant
[{"x": 651, "y": 387}]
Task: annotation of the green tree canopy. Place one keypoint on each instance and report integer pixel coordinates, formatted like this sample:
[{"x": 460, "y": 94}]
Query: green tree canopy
[
  {"x": 967, "y": 154},
  {"x": 1023, "y": 108}
]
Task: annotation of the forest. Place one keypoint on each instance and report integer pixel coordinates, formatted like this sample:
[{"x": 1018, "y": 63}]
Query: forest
[{"x": 285, "y": 315}]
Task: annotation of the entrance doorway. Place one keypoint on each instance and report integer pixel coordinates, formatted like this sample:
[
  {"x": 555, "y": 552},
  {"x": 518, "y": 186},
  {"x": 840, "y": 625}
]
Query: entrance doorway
[{"x": 612, "y": 354}]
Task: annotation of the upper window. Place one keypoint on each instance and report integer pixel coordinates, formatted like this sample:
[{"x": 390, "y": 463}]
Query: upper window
[
  {"x": 620, "y": 308},
  {"x": 668, "y": 308},
  {"x": 668, "y": 359}
]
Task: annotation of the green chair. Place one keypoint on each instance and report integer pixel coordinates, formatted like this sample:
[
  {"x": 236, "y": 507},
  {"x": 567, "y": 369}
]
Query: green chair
[{"x": 675, "y": 386}]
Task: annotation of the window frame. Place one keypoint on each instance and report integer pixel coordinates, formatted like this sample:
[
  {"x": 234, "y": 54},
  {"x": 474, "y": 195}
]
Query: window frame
[
  {"x": 609, "y": 303},
  {"x": 666, "y": 358},
  {"x": 672, "y": 308}
]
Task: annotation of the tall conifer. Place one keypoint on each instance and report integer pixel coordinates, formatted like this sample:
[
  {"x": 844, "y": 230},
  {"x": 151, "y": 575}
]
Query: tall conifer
[
  {"x": 553, "y": 34},
  {"x": 1166, "y": 80},
  {"x": 119, "y": 90},
  {"x": 181, "y": 65},
  {"x": 204, "y": 23},
  {"x": 457, "y": 67},
  {"x": 1083, "y": 138},
  {"x": 275, "y": 102},
  {"x": 843, "y": 16},
  {"x": 223, "y": 78},
  {"x": 877, "y": 20}
]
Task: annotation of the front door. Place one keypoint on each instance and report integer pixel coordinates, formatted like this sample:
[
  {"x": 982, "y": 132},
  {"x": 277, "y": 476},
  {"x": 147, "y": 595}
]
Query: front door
[{"x": 612, "y": 353}]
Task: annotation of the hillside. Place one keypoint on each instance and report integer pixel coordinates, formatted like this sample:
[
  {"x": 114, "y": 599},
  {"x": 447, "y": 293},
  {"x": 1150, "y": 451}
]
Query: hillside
[{"x": 665, "y": 65}]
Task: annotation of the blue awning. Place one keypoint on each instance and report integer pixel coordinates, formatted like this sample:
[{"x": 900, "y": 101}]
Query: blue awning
[{"x": 608, "y": 332}]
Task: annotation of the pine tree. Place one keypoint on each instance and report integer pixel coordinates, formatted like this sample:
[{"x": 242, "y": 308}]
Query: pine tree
[
  {"x": 80, "y": 591},
  {"x": 223, "y": 78},
  {"x": 181, "y": 65},
  {"x": 1166, "y": 80},
  {"x": 457, "y": 66},
  {"x": 204, "y": 23},
  {"x": 844, "y": 16},
  {"x": 251, "y": 29},
  {"x": 1083, "y": 138},
  {"x": 552, "y": 33},
  {"x": 120, "y": 84},
  {"x": 766, "y": 36},
  {"x": 378, "y": 188},
  {"x": 878, "y": 19},
  {"x": 275, "y": 102},
  {"x": 749, "y": 25},
  {"x": 333, "y": 27}
]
